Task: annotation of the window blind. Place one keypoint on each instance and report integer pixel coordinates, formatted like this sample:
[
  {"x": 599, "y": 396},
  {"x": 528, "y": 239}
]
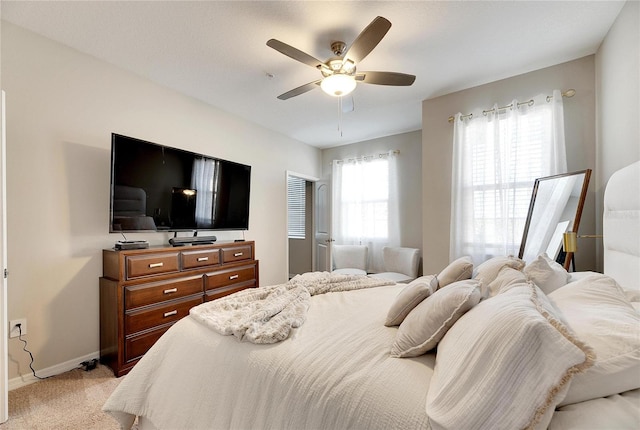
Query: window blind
[{"x": 296, "y": 198}]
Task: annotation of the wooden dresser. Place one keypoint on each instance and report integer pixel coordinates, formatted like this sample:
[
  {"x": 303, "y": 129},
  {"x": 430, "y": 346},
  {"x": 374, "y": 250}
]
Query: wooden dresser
[{"x": 145, "y": 291}]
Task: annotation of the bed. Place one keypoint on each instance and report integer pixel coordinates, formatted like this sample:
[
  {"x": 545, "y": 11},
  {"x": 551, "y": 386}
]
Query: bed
[{"x": 499, "y": 345}]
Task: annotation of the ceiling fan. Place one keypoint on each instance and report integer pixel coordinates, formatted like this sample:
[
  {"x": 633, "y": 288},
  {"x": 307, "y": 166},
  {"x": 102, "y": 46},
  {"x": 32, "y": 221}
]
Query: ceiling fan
[{"x": 339, "y": 75}]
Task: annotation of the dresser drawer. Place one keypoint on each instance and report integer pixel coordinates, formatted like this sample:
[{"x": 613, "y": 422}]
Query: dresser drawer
[
  {"x": 151, "y": 264},
  {"x": 146, "y": 318},
  {"x": 225, "y": 291},
  {"x": 136, "y": 346},
  {"x": 194, "y": 259},
  {"x": 136, "y": 296},
  {"x": 236, "y": 253},
  {"x": 228, "y": 277}
]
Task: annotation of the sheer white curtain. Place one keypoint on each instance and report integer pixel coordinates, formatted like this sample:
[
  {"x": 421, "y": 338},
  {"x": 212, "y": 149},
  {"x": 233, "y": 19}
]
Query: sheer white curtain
[
  {"x": 497, "y": 156},
  {"x": 365, "y": 204}
]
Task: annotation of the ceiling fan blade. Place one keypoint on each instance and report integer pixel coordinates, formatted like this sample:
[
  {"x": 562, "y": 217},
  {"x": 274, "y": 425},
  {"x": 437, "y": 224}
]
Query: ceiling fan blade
[
  {"x": 346, "y": 103},
  {"x": 294, "y": 53},
  {"x": 385, "y": 78},
  {"x": 368, "y": 39},
  {"x": 300, "y": 90}
]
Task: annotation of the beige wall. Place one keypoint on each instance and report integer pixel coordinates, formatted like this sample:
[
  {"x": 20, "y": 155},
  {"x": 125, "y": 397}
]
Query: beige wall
[
  {"x": 62, "y": 107},
  {"x": 618, "y": 99},
  {"x": 437, "y": 138},
  {"x": 409, "y": 181}
]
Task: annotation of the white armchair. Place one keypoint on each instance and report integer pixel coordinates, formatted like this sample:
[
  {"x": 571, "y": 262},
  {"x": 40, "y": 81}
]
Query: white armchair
[
  {"x": 401, "y": 264},
  {"x": 350, "y": 259}
]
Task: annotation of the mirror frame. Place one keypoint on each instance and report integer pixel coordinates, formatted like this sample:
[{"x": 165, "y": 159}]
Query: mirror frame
[{"x": 576, "y": 222}]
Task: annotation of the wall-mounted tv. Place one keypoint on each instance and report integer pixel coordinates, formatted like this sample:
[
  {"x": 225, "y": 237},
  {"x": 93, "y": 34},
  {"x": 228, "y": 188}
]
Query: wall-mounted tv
[{"x": 159, "y": 188}]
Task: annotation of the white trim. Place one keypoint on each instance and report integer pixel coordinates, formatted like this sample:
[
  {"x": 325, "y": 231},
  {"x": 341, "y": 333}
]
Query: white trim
[
  {"x": 23, "y": 380},
  {"x": 4, "y": 346},
  {"x": 302, "y": 176}
]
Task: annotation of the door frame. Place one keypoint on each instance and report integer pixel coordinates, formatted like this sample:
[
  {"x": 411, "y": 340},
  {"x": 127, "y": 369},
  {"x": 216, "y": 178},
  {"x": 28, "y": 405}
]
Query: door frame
[
  {"x": 311, "y": 179},
  {"x": 4, "y": 351}
]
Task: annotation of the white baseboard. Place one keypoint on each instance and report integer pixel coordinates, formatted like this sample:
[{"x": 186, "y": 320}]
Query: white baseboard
[{"x": 22, "y": 380}]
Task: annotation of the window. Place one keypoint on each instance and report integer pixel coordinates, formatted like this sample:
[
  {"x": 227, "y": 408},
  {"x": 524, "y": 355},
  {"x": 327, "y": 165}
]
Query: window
[
  {"x": 364, "y": 200},
  {"x": 364, "y": 204},
  {"x": 296, "y": 200},
  {"x": 497, "y": 158}
]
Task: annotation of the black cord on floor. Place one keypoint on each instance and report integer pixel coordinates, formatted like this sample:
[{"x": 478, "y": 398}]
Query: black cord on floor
[{"x": 24, "y": 348}]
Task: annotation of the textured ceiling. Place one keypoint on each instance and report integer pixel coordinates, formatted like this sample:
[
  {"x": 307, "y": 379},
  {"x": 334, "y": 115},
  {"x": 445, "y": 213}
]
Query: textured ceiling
[{"x": 216, "y": 51}]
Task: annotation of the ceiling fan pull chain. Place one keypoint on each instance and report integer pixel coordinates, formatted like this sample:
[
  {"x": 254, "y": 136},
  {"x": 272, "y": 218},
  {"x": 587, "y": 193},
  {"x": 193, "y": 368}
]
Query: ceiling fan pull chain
[{"x": 340, "y": 115}]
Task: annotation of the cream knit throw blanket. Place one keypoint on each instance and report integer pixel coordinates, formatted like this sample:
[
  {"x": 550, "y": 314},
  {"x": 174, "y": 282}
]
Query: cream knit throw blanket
[{"x": 267, "y": 314}]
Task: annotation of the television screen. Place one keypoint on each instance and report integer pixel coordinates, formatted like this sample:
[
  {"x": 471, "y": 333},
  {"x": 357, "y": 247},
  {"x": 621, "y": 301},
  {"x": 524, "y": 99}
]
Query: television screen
[{"x": 159, "y": 188}]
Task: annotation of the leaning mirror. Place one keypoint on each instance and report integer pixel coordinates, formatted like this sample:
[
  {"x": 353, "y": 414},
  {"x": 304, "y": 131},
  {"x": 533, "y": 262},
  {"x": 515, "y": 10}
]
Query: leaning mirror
[{"x": 555, "y": 208}]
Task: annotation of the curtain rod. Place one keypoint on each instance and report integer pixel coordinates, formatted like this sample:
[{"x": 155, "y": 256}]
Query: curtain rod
[
  {"x": 365, "y": 157},
  {"x": 569, "y": 93}
]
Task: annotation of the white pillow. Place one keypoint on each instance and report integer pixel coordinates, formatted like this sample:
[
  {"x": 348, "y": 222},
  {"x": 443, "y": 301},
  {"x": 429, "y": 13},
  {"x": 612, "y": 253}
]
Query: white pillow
[
  {"x": 597, "y": 310},
  {"x": 428, "y": 322},
  {"x": 546, "y": 273},
  {"x": 410, "y": 296},
  {"x": 506, "y": 278},
  {"x": 457, "y": 270},
  {"x": 488, "y": 271},
  {"x": 504, "y": 365}
]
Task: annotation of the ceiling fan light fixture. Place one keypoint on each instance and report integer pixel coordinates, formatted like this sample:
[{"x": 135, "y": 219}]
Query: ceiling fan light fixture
[
  {"x": 338, "y": 85},
  {"x": 349, "y": 67}
]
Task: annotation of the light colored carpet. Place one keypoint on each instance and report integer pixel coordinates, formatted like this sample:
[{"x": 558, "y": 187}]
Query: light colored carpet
[{"x": 71, "y": 400}]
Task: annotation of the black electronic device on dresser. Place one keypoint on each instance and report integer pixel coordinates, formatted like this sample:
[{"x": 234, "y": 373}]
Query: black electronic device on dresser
[{"x": 143, "y": 292}]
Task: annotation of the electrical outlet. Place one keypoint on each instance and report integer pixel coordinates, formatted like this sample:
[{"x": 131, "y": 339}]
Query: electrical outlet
[{"x": 13, "y": 327}]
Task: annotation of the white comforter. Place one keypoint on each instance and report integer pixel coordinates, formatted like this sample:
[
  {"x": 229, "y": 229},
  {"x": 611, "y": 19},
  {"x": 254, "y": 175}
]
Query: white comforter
[
  {"x": 268, "y": 314},
  {"x": 185, "y": 380},
  {"x": 194, "y": 378}
]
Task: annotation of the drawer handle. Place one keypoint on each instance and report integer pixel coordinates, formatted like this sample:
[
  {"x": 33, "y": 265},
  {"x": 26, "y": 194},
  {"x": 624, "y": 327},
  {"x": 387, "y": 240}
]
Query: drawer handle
[
  {"x": 238, "y": 254},
  {"x": 233, "y": 277},
  {"x": 171, "y": 290},
  {"x": 152, "y": 265},
  {"x": 171, "y": 313},
  {"x": 203, "y": 258}
]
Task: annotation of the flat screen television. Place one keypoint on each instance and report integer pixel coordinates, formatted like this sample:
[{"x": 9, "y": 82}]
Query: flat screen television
[{"x": 159, "y": 188}]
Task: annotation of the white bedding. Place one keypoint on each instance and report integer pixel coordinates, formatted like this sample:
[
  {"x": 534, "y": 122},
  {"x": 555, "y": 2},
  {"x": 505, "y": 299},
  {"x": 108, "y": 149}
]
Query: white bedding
[
  {"x": 617, "y": 412},
  {"x": 268, "y": 314},
  {"x": 311, "y": 380},
  {"x": 333, "y": 372}
]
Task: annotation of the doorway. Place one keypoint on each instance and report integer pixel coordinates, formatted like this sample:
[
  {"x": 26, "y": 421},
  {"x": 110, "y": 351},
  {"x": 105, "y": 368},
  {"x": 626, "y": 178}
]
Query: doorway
[{"x": 302, "y": 249}]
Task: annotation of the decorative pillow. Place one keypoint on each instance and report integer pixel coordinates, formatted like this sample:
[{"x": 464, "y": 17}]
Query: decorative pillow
[
  {"x": 410, "y": 296},
  {"x": 598, "y": 311},
  {"x": 546, "y": 273},
  {"x": 505, "y": 364},
  {"x": 428, "y": 322},
  {"x": 457, "y": 270},
  {"x": 488, "y": 271},
  {"x": 506, "y": 278}
]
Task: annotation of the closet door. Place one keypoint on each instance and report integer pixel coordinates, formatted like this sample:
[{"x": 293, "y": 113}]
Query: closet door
[{"x": 322, "y": 234}]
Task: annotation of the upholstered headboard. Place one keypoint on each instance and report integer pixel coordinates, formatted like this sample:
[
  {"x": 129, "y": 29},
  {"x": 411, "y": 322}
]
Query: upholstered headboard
[{"x": 621, "y": 227}]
